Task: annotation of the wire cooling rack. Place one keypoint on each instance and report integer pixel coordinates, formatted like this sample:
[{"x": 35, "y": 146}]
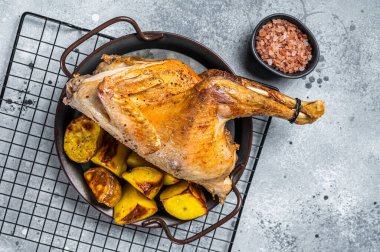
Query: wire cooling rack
[{"x": 38, "y": 206}]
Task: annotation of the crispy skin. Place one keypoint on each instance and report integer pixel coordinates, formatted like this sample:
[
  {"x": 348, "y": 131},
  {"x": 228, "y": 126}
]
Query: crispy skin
[
  {"x": 133, "y": 206},
  {"x": 145, "y": 179},
  {"x": 175, "y": 120},
  {"x": 184, "y": 201},
  {"x": 105, "y": 187},
  {"x": 82, "y": 139},
  {"x": 112, "y": 155}
]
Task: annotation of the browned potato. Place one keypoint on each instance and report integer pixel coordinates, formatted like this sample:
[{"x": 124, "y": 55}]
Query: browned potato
[
  {"x": 145, "y": 179},
  {"x": 184, "y": 201},
  {"x": 112, "y": 155},
  {"x": 170, "y": 179},
  {"x": 135, "y": 160},
  {"x": 104, "y": 185},
  {"x": 82, "y": 139},
  {"x": 133, "y": 206}
]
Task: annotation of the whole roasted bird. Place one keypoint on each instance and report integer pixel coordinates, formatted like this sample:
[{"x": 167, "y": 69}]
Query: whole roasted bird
[{"x": 176, "y": 119}]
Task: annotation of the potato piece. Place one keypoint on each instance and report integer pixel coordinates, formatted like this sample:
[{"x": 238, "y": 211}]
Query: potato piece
[
  {"x": 82, "y": 139},
  {"x": 169, "y": 179},
  {"x": 184, "y": 201},
  {"x": 135, "y": 160},
  {"x": 174, "y": 190},
  {"x": 112, "y": 155},
  {"x": 133, "y": 206},
  {"x": 197, "y": 192},
  {"x": 104, "y": 185},
  {"x": 145, "y": 179}
]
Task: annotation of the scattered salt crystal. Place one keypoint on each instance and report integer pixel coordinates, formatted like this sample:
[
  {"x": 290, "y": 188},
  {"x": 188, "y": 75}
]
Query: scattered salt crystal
[
  {"x": 95, "y": 17},
  {"x": 24, "y": 231}
]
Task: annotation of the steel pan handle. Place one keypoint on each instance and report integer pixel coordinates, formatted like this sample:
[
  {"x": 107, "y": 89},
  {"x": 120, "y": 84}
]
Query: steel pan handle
[
  {"x": 163, "y": 224},
  {"x": 140, "y": 34}
]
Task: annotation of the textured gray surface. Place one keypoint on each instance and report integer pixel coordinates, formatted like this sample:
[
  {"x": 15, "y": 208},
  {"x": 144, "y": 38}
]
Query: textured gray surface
[{"x": 316, "y": 187}]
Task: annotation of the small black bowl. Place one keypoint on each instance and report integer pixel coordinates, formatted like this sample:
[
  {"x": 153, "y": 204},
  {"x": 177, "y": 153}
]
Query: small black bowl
[{"x": 313, "y": 42}]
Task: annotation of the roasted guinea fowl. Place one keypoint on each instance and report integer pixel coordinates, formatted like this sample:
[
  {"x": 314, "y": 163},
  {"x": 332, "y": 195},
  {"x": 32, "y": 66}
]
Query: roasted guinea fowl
[{"x": 176, "y": 119}]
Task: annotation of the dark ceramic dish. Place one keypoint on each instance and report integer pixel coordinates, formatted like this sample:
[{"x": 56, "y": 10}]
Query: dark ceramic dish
[
  {"x": 241, "y": 128},
  {"x": 313, "y": 42}
]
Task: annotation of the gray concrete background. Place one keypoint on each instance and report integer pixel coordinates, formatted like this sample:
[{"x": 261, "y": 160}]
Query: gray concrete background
[{"x": 316, "y": 187}]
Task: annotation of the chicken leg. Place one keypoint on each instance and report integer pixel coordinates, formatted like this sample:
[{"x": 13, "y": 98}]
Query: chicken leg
[
  {"x": 176, "y": 119},
  {"x": 262, "y": 100}
]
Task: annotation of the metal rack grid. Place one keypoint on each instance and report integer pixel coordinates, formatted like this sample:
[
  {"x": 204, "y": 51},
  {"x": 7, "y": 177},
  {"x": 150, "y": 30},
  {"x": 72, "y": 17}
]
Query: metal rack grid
[{"x": 38, "y": 206}]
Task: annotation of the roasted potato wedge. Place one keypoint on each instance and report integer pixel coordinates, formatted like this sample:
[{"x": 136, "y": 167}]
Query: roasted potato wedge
[
  {"x": 82, "y": 139},
  {"x": 104, "y": 185},
  {"x": 133, "y": 206},
  {"x": 174, "y": 190},
  {"x": 112, "y": 155},
  {"x": 135, "y": 160},
  {"x": 184, "y": 201},
  {"x": 145, "y": 179},
  {"x": 169, "y": 179}
]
